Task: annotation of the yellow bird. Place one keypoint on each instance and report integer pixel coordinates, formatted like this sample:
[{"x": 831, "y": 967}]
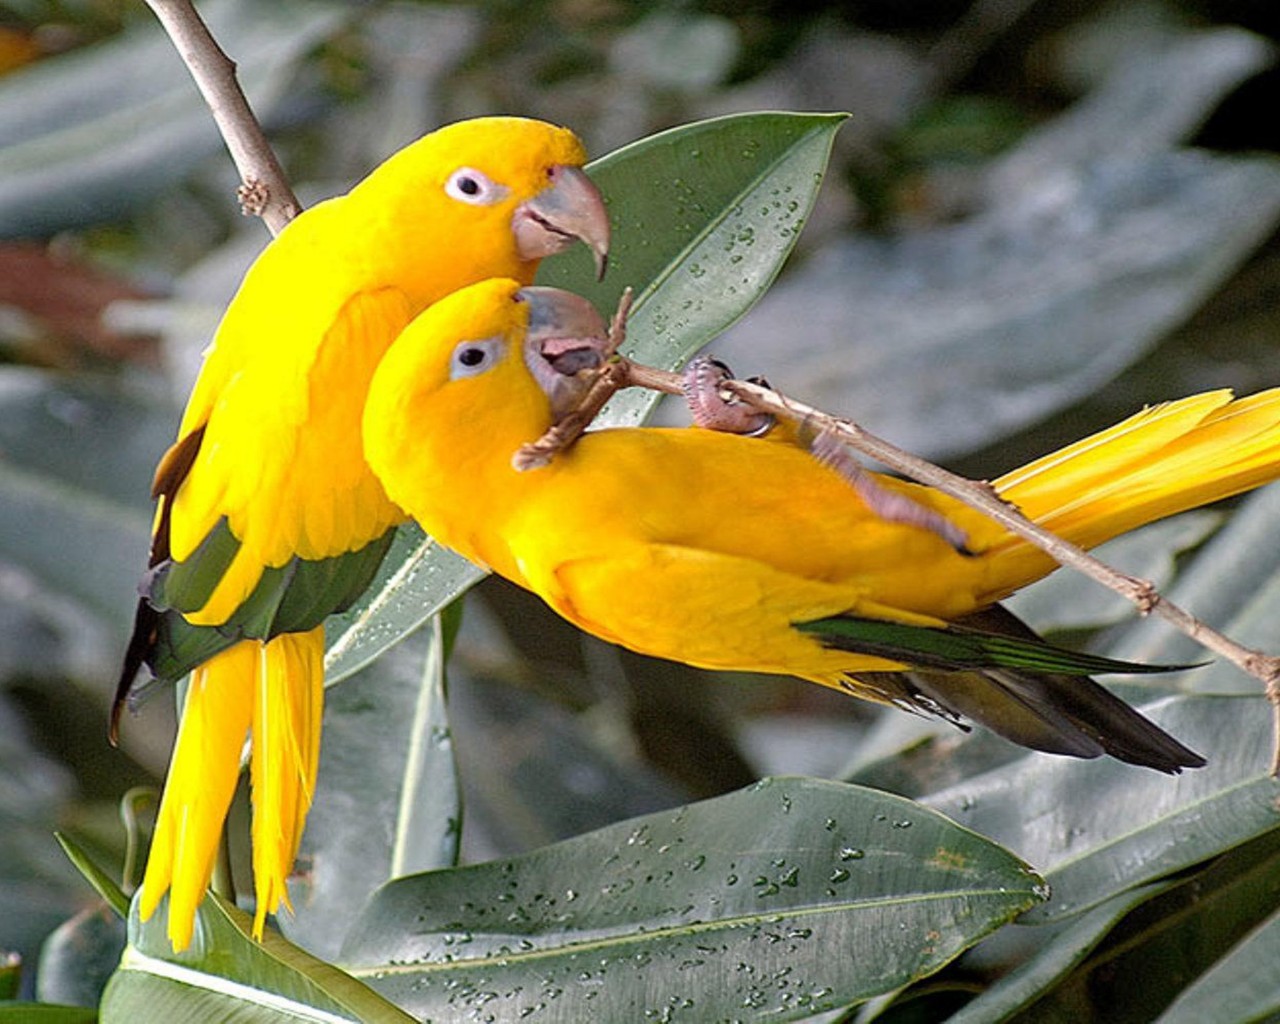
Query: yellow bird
[
  {"x": 268, "y": 517},
  {"x": 734, "y": 552}
]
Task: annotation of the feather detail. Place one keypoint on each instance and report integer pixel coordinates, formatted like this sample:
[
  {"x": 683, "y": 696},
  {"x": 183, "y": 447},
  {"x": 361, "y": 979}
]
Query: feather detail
[
  {"x": 735, "y": 553},
  {"x": 202, "y": 779},
  {"x": 286, "y": 752}
]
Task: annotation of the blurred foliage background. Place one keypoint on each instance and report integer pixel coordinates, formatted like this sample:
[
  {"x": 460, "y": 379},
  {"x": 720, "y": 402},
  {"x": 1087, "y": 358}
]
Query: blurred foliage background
[{"x": 1041, "y": 215}]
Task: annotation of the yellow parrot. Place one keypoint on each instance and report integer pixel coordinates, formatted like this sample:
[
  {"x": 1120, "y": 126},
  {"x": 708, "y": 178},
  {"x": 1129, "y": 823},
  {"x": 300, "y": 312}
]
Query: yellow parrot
[
  {"x": 268, "y": 517},
  {"x": 734, "y": 552}
]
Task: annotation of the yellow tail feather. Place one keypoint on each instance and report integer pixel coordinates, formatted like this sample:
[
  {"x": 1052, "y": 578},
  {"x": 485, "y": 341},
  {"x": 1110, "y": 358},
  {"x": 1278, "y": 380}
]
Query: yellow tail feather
[
  {"x": 274, "y": 691},
  {"x": 201, "y": 782},
  {"x": 1161, "y": 461},
  {"x": 286, "y": 753}
]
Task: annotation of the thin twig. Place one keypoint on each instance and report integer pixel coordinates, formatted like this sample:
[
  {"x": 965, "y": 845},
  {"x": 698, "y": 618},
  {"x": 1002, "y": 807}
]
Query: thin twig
[
  {"x": 264, "y": 191},
  {"x": 979, "y": 495}
]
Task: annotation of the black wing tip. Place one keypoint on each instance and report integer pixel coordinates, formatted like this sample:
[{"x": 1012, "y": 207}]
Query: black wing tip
[
  {"x": 1164, "y": 755},
  {"x": 1136, "y": 668},
  {"x": 1068, "y": 716},
  {"x": 142, "y": 642}
]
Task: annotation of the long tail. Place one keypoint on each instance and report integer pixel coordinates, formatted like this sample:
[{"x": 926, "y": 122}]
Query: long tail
[
  {"x": 1164, "y": 460},
  {"x": 274, "y": 691}
]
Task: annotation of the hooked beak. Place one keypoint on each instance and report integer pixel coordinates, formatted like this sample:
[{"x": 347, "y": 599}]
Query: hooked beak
[
  {"x": 566, "y": 336},
  {"x": 568, "y": 210}
]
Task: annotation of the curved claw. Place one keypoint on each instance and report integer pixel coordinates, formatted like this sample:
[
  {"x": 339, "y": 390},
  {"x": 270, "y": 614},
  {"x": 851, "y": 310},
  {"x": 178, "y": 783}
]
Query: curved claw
[{"x": 709, "y": 407}]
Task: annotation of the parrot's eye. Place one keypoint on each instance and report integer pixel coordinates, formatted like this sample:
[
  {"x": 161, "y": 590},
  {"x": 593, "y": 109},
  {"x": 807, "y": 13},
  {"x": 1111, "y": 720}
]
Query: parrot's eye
[
  {"x": 468, "y": 185},
  {"x": 474, "y": 357}
]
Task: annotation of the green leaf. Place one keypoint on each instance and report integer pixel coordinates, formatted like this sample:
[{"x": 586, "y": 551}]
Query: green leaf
[
  {"x": 10, "y": 975},
  {"x": 1244, "y": 986},
  {"x": 1121, "y": 826},
  {"x": 1053, "y": 959},
  {"x": 39, "y": 889},
  {"x": 94, "y": 875},
  {"x": 417, "y": 579},
  {"x": 1092, "y": 239},
  {"x": 228, "y": 976},
  {"x": 708, "y": 213},
  {"x": 75, "y": 480},
  {"x": 1234, "y": 583},
  {"x": 1070, "y": 600},
  {"x": 788, "y": 898},
  {"x": 1190, "y": 930},
  {"x": 79, "y": 956},
  {"x": 429, "y": 825},
  {"x": 537, "y": 772}
]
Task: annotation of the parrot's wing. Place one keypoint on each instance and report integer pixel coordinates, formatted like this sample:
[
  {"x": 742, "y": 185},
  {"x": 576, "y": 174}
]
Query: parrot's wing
[
  {"x": 277, "y": 472},
  {"x": 962, "y": 645},
  {"x": 269, "y": 519},
  {"x": 993, "y": 669}
]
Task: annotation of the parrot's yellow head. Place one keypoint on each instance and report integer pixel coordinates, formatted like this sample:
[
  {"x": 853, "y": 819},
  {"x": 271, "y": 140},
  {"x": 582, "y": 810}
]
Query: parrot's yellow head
[
  {"x": 488, "y": 197},
  {"x": 480, "y": 373}
]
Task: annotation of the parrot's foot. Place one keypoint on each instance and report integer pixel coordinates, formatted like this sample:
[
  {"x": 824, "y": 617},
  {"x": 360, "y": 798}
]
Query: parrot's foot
[
  {"x": 890, "y": 506},
  {"x": 711, "y": 408}
]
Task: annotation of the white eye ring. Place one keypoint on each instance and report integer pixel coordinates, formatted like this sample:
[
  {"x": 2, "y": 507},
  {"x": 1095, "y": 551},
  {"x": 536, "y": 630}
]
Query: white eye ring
[
  {"x": 472, "y": 358},
  {"x": 467, "y": 185}
]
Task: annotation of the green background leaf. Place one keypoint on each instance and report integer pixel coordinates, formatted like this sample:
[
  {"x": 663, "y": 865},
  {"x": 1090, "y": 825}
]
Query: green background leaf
[{"x": 731, "y": 904}]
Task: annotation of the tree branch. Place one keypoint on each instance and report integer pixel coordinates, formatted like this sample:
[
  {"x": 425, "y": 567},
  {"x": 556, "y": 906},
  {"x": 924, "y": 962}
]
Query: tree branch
[
  {"x": 264, "y": 191},
  {"x": 621, "y": 372}
]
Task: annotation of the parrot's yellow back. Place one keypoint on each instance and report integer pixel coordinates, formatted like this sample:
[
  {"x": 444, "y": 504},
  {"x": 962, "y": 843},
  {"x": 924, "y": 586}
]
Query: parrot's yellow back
[{"x": 740, "y": 553}]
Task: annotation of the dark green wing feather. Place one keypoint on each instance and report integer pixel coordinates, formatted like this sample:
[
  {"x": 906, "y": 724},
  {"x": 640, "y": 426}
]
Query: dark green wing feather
[
  {"x": 962, "y": 645},
  {"x": 293, "y": 598}
]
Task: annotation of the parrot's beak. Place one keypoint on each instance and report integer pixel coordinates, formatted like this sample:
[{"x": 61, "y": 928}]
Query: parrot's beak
[
  {"x": 568, "y": 210},
  {"x": 565, "y": 337}
]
